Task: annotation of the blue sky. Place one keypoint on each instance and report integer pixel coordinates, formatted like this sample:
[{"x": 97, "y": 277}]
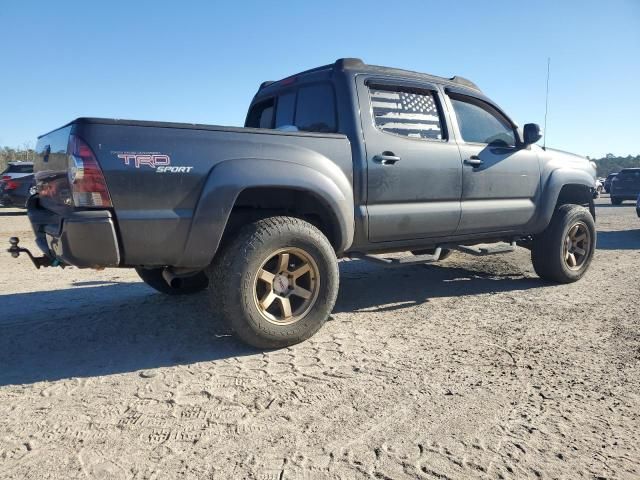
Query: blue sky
[{"x": 202, "y": 62}]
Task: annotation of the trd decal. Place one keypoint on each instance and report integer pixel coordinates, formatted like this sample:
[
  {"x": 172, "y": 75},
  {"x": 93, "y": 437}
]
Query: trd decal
[
  {"x": 162, "y": 169},
  {"x": 158, "y": 161}
]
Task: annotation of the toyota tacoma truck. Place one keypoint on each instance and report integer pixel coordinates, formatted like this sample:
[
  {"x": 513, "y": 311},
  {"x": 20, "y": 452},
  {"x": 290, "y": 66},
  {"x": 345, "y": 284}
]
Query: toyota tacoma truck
[{"x": 344, "y": 160}]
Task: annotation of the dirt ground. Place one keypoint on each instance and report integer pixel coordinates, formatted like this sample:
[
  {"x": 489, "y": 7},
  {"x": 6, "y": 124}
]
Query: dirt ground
[{"x": 472, "y": 368}]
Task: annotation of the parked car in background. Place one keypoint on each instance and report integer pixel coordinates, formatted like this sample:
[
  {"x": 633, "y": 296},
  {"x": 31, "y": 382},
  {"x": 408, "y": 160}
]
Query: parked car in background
[
  {"x": 625, "y": 185},
  {"x": 597, "y": 188},
  {"x": 17, "y": 170},
  {"x": 14, "y": 192},
  {"x": 607, "y": 182},
  {"x": 17, "y": 183}
]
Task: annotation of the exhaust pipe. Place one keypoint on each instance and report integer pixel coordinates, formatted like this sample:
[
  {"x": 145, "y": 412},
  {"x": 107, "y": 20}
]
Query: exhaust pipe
[{"x": 173, "y": 280}]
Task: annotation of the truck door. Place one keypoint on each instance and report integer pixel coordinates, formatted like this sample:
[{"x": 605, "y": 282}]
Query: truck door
[
  {"x": 414, "y": 170},
  {"x": 500, "y": 178}
]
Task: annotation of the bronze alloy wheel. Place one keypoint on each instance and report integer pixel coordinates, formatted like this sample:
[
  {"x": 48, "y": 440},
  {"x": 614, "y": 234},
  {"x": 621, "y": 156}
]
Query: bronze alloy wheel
[
  {"x": 577, "y": 246},
  {"x": 286, "y": 286}
]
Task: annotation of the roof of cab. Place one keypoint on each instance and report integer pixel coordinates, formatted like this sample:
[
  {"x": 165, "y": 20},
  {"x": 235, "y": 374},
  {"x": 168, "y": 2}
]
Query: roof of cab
[{"x": 356, "y": 65}]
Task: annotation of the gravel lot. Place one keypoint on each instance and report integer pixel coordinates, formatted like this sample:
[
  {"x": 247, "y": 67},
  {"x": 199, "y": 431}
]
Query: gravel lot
[{"x": 473, "y": 368}]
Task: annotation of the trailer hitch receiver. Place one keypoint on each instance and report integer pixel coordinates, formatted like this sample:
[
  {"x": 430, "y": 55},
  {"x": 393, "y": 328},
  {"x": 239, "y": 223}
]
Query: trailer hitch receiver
[{"x": 42, "y": 261}]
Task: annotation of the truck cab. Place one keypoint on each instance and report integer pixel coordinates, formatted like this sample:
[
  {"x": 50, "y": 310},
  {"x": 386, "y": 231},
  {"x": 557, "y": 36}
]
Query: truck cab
[{"x": 433, "y": 157}]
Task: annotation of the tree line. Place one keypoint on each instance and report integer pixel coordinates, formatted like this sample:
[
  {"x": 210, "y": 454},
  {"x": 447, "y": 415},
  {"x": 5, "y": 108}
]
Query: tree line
[
  {"x": 8, "y": 154},
  {"x": 610, "y": 163}
]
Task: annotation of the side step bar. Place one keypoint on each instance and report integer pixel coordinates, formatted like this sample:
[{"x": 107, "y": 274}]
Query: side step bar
[
  {"x": 484, "y": 251},
  {"x": 422, "y": 259},
  {"x": 403, "y": 261}
]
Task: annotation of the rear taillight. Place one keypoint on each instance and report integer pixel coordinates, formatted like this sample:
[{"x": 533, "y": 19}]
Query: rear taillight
[
  {"x": 10, "y": 185},
  {"x": 87, "y": 182}
]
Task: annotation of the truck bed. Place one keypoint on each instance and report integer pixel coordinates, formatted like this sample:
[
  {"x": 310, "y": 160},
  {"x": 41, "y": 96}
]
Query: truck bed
[{"x": 156, "y": 172}]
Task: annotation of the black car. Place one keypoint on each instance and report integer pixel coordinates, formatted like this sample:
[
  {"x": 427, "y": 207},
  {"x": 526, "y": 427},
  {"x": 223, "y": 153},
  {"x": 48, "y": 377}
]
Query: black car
[
  {"x": 607, "y": 182},
  {"x": 16, "y": 182},
  {"x": 625, "y": 185},
  {"x": 14, "y": 192}
]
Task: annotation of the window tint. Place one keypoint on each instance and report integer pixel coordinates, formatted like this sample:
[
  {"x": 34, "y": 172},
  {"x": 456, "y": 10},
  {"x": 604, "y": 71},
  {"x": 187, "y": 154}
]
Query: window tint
[
  {"x": 285, "y": 109},
  {"x": 480, "y": 123},
  {"x": 17, "y": 168},
  {"x": 261, "y": 115},
  {"x": 629, "y": 175},
  {"x": 316, "y": 109},
  {"x": 406, "y": 112}
]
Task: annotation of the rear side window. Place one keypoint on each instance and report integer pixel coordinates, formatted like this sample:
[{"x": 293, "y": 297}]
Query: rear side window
[
  {"x": 406, "y": 112},
  {"x": 629, "y": 175},
  {"x": 481, "y": 123},
  {"x": 310, "y": 108},
  {"x": 17, "y": 168}
]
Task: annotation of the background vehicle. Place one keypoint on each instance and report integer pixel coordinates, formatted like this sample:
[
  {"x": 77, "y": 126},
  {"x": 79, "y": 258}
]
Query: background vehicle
[
  {"x": 17, "y": 170},
  {"x": 367, "y": 160},
  {"x": 625, "y": 185},
  {"x": 597, "y": 188},
  {"x": 14, "y": 192},
  {"x": 607, "y": 182}
]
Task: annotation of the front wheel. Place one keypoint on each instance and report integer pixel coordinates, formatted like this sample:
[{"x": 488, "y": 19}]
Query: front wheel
[
  {"x": 563, "y": 252},
  {"x": 184, "y": 286},
  {"x": 276, "y": 282}
]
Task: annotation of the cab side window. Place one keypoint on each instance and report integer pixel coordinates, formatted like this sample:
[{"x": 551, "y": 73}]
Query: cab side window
[
  {"x": 481, "y": 123},
  {"x": 407, "y": 112}
]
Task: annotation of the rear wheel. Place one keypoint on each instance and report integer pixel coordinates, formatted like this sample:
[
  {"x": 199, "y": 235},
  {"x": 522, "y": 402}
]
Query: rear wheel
[
  {"x": 182, "y": 286},
  {"x": 616, "y": 201},
  {"x": 275, "y": 282},
  {"x": 563, "y": 252}
]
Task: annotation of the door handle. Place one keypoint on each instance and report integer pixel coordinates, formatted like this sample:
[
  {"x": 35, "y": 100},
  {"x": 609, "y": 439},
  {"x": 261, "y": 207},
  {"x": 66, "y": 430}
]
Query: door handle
[
  {"x": 386, "y": 158},
  {"x": 474, "y": 161}
]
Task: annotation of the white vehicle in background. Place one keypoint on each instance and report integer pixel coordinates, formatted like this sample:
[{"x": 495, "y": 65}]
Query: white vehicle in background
[{"x": 598, "y": 188}]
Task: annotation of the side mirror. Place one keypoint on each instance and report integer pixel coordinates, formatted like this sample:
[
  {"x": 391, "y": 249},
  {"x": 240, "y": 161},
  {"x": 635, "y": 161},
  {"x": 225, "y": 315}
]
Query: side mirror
[{"x": 531, "y": 133}]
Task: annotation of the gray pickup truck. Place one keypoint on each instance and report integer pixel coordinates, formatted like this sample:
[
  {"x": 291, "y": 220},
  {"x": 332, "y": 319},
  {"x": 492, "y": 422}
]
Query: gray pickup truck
[{"x": 346, "y": 159}]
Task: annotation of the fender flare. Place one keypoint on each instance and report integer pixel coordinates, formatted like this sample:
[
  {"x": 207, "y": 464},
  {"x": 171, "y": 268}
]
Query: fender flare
[
  {"x": 557, "y": 180},
  {"x": 228, "y": 179}
]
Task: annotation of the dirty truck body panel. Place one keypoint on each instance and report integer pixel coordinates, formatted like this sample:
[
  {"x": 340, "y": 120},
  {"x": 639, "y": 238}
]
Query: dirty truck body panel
[
  {"x": 400, "y": 160},
  {"x": 173, "y": 211}
]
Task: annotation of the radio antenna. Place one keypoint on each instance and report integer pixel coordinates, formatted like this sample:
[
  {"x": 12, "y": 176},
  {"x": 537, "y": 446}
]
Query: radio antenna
[{"x": 546, "y": 105}]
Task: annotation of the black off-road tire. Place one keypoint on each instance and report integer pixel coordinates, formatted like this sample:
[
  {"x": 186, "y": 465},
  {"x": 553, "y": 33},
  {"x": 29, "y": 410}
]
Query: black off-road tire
[
  {"x": 444, "y": 253},
  {"x": 234, "y": 272},
  {"x": 616, "y": 201},
  {"x": 548, "y": 252},
  {"x": 186, "y": 285}
]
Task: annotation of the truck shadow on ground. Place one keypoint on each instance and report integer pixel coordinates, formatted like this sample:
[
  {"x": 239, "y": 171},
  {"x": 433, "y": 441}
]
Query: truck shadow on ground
[{"x": 102, "y": 328}]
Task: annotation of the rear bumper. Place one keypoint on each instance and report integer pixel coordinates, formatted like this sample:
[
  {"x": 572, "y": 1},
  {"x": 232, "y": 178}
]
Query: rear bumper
[
  {"x": 9, "y": 200},
  {"x": 85, "y": 239}
]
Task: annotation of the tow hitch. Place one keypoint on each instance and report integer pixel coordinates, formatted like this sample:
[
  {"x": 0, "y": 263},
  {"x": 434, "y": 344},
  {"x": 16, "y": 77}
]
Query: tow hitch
[{"x": 43, "y": 261}]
